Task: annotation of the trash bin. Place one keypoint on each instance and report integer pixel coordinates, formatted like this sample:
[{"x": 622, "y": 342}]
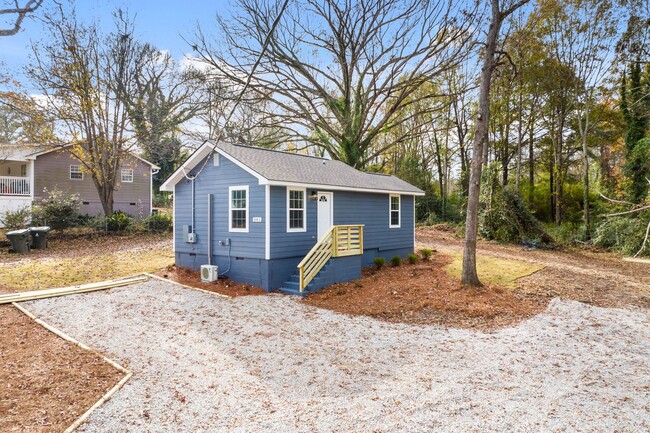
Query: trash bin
[
  {"x": 19, "y": 240},
  {"x": 39, "y": 237}
]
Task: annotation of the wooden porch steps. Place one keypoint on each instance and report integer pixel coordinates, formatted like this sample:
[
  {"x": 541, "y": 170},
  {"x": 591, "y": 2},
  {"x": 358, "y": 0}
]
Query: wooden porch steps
[{"x": 292, "y": 285}]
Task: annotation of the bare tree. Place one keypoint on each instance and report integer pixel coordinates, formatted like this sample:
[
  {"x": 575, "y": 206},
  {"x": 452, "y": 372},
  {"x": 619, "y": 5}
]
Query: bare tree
[
  {"x": 336, "y": 73},
  {"x": 79, "y": 71},
  {"x": 499, "y": 14},
  {"x": 159, "y": 100},
  {"x": 18, "y": 14},
  {"x": 581, "y": 36}
]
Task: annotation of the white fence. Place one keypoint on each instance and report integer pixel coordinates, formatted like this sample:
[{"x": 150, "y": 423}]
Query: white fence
[{"x": 12, "y": 185}]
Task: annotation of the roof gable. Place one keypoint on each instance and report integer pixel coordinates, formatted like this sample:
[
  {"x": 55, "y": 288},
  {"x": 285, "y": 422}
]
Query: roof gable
[{"x": 273, "y": 167}]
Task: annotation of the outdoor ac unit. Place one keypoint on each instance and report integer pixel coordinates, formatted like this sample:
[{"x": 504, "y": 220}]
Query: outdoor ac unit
[{"x": 209, "y": 273}]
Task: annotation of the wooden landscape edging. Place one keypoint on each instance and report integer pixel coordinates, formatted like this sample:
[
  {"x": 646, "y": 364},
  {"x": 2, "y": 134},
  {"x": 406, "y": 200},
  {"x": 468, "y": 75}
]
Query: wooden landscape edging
[
  {"x": 185, "y": 285},
  {"x": 636, "y": 260},
  {"x": 49, "y": 293},
  {"x": 105, "y": 397}
]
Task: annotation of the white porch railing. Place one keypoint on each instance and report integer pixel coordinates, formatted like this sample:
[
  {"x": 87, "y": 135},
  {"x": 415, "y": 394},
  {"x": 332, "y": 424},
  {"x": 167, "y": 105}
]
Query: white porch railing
[{"x": 12, "y": 185}]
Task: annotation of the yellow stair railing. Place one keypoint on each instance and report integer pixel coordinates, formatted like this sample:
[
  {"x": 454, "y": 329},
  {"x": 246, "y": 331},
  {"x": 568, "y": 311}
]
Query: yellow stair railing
[{"x": 338, "y": 241}]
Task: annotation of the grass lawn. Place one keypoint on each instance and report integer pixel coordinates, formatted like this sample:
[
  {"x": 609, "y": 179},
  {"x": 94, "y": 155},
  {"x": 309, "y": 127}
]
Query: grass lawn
[
  {"x": 492, "y": 270},
  {"x": 95, "y": 260}
]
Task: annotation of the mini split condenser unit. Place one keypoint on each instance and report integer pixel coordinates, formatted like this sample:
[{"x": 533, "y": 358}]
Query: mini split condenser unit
[{"x": 209, "y": 273}]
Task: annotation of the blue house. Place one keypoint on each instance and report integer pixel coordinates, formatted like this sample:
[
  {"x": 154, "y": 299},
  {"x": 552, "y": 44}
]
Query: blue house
[{"x": 286, "y": 221}]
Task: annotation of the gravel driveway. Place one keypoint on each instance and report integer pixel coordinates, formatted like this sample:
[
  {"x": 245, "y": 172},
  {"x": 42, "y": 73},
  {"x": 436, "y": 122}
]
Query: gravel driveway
[{"x": 271, "y": 364}]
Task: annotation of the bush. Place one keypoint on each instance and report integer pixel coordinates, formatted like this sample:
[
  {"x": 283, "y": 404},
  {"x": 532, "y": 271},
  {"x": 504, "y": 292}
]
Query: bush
[
  {"x": 412, "y": 258},
  {"x": 16, "y": 219},
  {"x": 162, "y": 199},
  {"x": 379, "y": 262},
  {"x": 396, "y": 261},
  {"x": 504, "y": 216},
  {"x": 624, "y": 235},
  {"x": 118, "y": 222},
  {"x": 426, "y": 253},
  {"x": 59, "y": 210},
  {"x": 158, "y": 223}
]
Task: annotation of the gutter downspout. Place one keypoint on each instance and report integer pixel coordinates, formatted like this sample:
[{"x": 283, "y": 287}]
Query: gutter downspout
[
  {"x": 209, "y": 229},
  {"x": 193, "y": 225}
]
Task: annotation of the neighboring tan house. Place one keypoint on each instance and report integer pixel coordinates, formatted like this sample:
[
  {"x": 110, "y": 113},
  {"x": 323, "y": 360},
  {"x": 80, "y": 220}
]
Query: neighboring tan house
[{"x": 26, "y": 173}]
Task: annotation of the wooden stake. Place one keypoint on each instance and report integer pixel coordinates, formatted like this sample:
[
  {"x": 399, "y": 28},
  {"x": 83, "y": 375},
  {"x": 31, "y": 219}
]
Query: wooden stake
[
  {"x": 114, "y": 364},
  {"x": 48, "y": 293},
  {"x": 186, "y": 286}
]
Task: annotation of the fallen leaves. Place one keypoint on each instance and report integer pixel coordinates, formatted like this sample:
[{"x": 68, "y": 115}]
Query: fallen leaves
[{"x": 46, "y": 383}]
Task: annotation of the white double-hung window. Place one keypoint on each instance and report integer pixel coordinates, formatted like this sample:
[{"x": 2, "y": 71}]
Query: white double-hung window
[
  {"x": 296, "y": 210},
  {"x": 395, "y": 207},
  {"x": 76, "y": 173},
  {"x": 126, "y": 175},
  {"x": 238, "y": 209}
]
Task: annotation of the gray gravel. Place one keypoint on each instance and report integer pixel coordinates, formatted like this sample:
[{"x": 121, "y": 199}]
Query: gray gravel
[{"x": 271, "y": 364}]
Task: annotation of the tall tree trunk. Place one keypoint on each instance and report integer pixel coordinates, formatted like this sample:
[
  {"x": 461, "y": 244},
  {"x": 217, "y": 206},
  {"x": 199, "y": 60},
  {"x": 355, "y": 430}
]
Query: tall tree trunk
[
  {"x": 585, "y": 167},
  {"x": 551, "y": 188},
  {"x": 520, "y": 139},
  {"x": 469, "y": 275},
  {"x": 558, "y": 166},
  {"x": 531, "y": 166}
]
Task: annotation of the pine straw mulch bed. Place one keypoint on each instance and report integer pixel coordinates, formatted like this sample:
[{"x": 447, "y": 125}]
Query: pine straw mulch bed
[
  {"x": 46, "y": 383},
  {"x": 425, "y": 294},
  {"x": 192, "y": 278},
  {"x": 587, "y": 275}
]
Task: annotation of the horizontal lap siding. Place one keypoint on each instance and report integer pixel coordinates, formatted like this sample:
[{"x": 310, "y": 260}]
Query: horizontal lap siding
[
  {"x": 368, "y": 209},
  {"x": 372, "y": 210},
  {"x": 290, "y": 244},
  {"x": 52, "y": 170},
  {"x": 216, "y": 181}
]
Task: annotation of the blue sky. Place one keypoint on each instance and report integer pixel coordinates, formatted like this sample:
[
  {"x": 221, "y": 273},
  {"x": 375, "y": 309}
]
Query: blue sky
[{"x": 161, "y": 23}]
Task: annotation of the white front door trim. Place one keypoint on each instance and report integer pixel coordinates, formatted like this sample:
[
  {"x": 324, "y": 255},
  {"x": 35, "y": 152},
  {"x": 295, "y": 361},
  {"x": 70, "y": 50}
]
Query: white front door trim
[{"x": 325, "y": 212}]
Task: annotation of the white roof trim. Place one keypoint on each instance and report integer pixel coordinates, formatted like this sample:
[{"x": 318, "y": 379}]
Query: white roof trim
[
  {"x": 34, "y": 155},
  {"x": 337, "y": 188},
  {"x": 204, "y": 150}
]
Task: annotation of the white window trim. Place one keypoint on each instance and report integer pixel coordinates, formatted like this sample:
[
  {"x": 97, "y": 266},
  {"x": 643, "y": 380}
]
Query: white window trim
[
  {"x": 122, "y": 170},
  {"x": 230, "y": 209},
  {"x": 304, "y": 210},
  {"x": 390, "y": 211},
  {"x": 80, "y": 171}
]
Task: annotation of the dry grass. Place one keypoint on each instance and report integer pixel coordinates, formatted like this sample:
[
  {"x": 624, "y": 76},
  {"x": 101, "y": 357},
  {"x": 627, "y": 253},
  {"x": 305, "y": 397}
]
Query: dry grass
[
  {"x": 86, "y": 261},
  {"x": 497, "y": 271}
]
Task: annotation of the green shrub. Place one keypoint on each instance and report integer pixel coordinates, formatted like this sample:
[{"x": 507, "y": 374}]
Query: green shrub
[
  {"x": 412, "y": 258},
  {"x": 97, "y": 222},
  {"x": 162, "y": 199},
  {"x": 504, "y": 216},
  {"x": 59, "y": 210},
  {"x": 118, "y": 222},
  {"x": 379, "y": 262},
  {"x": 16, "y": 219},
  {"x": 624, "y": 235},
  {"x": 426, "y": 253},
  {"x": 158, "y": 222},
  {"x": 396, "y": 261}
]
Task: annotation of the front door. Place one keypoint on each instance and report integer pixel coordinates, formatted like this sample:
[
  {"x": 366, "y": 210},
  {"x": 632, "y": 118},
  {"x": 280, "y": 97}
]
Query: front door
[{"x": 325, "y": 213}]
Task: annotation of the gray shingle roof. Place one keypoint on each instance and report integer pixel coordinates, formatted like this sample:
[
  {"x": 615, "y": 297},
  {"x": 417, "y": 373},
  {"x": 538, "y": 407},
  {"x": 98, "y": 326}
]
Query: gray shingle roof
[{"x": 281, "y": 166}]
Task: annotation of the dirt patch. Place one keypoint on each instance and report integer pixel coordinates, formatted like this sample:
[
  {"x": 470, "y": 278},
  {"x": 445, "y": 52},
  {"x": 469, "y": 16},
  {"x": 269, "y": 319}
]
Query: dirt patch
[
  {"x": 76, "y": 242},
  {"x": 425, "y": 293},
  {"x": 81, "y": 259},
  {"x": 192, "y": 278},
  {"x": 585, "y": 275},
  {"x": 46, "y": 383}
]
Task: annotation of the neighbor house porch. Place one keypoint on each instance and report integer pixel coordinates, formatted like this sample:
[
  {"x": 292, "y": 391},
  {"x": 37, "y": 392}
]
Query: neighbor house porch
[{"x": 16, "y": 185}]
